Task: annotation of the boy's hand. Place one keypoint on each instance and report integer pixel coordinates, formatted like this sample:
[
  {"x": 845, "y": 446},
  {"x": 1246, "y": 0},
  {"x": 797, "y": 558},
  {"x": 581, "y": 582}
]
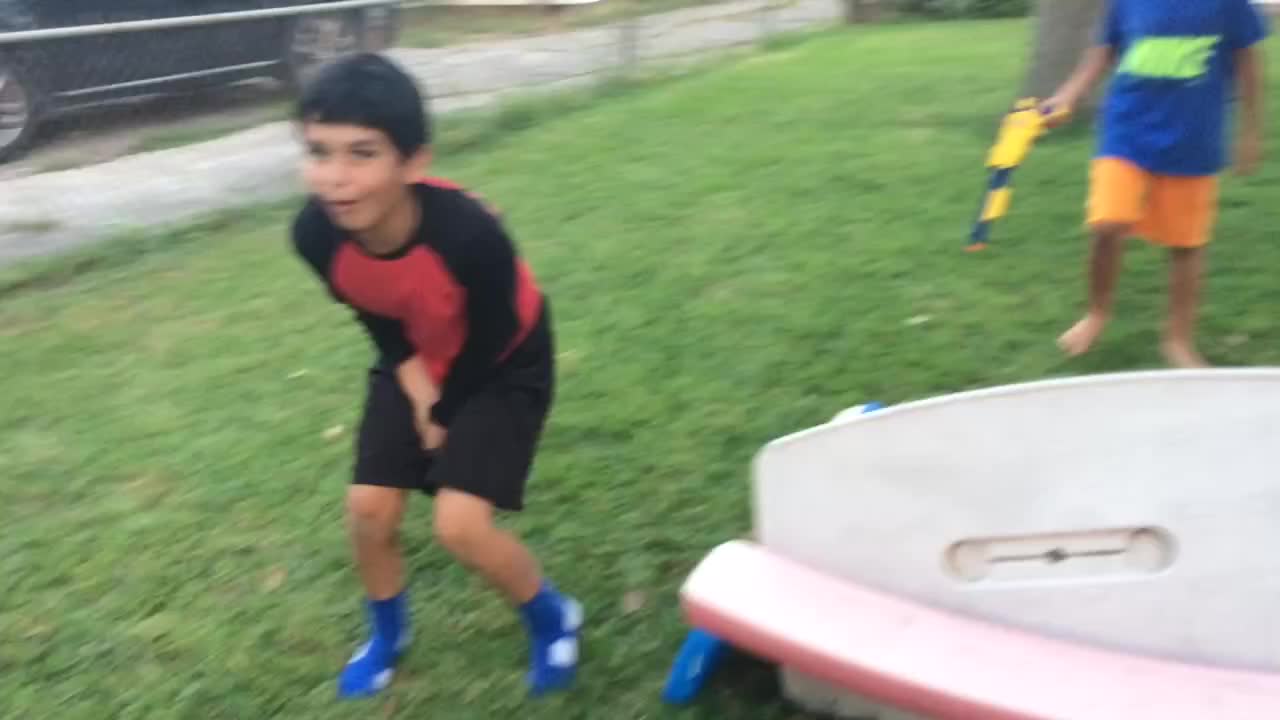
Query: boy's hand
[
  {"x": 1248, "y": 152},
  {"x": 431, "y": 434},
  {"x": 1057, "y": 109},
  {"x": 422, "y": 393},
  {"x": 1095, "y": 63}
]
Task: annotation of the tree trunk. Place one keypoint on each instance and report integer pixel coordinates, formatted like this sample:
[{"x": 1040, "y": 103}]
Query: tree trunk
[
  {"x": 860, "y": 11},
  {"x": 1064, "y": 29}
]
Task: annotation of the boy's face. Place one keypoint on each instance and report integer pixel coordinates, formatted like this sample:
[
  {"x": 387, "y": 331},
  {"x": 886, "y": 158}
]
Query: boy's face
[{"x": 357, "y": 173}]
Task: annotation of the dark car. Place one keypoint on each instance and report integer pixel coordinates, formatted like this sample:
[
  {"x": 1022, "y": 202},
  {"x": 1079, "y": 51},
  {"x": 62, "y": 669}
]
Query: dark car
[{"x": 117, "y": 59}]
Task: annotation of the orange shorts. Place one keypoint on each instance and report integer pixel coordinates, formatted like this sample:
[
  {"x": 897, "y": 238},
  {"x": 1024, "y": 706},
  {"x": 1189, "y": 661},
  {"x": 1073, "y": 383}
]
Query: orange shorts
[{"x": 1170, "y": 210}]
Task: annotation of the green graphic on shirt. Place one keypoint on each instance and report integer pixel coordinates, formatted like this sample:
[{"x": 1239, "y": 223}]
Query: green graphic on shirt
[{"x": 1170, "y": 58}]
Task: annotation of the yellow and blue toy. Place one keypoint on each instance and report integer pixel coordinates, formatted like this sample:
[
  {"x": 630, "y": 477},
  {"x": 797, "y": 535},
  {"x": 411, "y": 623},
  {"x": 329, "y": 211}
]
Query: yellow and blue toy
[{"x": 1019, "y": 130}]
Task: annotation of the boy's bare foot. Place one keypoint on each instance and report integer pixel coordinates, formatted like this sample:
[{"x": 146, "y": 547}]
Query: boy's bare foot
[
  {"x": 1082, "y": 335},
  {"x": 1182, "y": 355}
]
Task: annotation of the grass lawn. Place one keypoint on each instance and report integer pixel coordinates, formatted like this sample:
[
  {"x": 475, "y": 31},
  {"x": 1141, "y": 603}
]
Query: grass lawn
[{"x": 732, "y": 256}]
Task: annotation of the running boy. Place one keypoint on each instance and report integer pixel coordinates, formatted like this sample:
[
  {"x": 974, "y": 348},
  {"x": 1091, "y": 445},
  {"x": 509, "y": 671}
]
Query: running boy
[
  {"x": 1162, "y": 144},
  {"x": 456, "y": 401}
]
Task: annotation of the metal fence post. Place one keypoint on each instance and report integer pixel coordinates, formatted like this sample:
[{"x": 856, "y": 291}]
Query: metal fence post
[
  {"x": 766, "y": 18},
  {"x": 169, "y": 23},
  {"x": 629, "y": 45}
]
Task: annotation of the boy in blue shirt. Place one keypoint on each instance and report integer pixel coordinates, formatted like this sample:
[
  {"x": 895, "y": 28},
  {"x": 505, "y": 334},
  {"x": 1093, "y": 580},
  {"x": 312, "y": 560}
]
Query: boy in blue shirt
[{"x": 1162, "y": 144}]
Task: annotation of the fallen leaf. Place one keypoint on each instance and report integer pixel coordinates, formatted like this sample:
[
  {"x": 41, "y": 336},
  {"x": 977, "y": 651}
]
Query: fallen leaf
[
  {"x": 1237, "y": 339},
  {"x": 633, "y": 601},
  {"x": 569, "y": 358},
  {"x": 275, "y": 579},
  {"x": 918, "y": 320},
  {"x": 297, "y": 374},
  {"x": 334, "y": 432},
  {"x": 157, "y": 626}
]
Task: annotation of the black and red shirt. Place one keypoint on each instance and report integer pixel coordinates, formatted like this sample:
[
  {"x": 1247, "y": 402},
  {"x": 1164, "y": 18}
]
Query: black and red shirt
[{"x": 457, "y": 295}]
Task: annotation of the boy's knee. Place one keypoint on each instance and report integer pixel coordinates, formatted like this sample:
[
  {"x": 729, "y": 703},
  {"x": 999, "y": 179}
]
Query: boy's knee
[
  {"x": 461, "y": 522},
  {"x": 1111, "y": 230},
  {"x": 374, "y": 511}
]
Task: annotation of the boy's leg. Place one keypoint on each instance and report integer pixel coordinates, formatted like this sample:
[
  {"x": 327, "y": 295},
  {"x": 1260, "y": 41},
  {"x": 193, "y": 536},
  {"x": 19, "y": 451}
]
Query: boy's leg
[
  {"x": 1105, "y": 254},
  {"x": 389, "y": 461},
  {"x": 373, "y": 522},
  {"x": 483, "y": 465},
  {"x": 1185, "y": 271},
  {"x": 1183, "y": 211},
  {"x": 464, "y": 526},
  {"x": 1115, "y": 209}
]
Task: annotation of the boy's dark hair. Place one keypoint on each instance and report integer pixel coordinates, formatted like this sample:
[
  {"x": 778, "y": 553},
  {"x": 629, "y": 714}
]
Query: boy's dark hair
[{"x": 368, "y": 90}]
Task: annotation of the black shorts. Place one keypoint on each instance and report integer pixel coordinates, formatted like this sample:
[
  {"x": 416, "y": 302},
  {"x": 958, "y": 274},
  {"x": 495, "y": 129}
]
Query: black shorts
[{"x": 492, "y": 439}]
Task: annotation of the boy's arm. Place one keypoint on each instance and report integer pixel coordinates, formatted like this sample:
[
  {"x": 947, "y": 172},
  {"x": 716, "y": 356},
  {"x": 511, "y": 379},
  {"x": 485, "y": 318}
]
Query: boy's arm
[
  {"x": 487, "y": 272},
  {"x": 1093, "y": 66},
  {"x": 316, "y": 242},
  {"x": 396, "y": 352},
  {"x": 388, "y": 337},
  {"x": 1249, "y": 64},
  {"x": 422, "y": 393},
  {"x": 417, "y": 384},
  {"x": 1245, "y": 31}
]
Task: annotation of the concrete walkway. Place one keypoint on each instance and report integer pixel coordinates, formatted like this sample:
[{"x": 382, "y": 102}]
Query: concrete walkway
[{"x": 49, "y": 212}]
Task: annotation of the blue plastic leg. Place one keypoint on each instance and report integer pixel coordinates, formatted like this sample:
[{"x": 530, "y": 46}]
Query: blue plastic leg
[
  {"x": 702, "y": 651},
  {"x": 695, "y": 662}
]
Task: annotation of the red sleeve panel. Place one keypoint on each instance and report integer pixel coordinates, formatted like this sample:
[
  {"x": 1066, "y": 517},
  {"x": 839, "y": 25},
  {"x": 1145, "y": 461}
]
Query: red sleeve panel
[{"x": 458, "y": 295}]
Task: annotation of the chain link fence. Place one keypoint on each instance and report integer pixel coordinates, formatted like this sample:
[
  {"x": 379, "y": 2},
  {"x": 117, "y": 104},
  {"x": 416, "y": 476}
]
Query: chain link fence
[
  {"x": 85, "y": 67},
  {"x": 627, "y": 40},
  {"x": 112, "y": 119}
]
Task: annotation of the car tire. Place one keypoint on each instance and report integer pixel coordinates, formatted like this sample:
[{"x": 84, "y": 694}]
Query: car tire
[
  {"x": 313, "y": 40},
  {"x": 21, "y": 104}
]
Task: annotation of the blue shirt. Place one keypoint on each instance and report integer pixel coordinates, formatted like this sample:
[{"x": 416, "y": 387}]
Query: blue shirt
[{"x": 1166, "y": 109}]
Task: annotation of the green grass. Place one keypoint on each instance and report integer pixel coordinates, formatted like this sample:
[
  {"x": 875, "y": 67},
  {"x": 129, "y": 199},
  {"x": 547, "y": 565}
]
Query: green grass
[{"x": 732, "y": 258}]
